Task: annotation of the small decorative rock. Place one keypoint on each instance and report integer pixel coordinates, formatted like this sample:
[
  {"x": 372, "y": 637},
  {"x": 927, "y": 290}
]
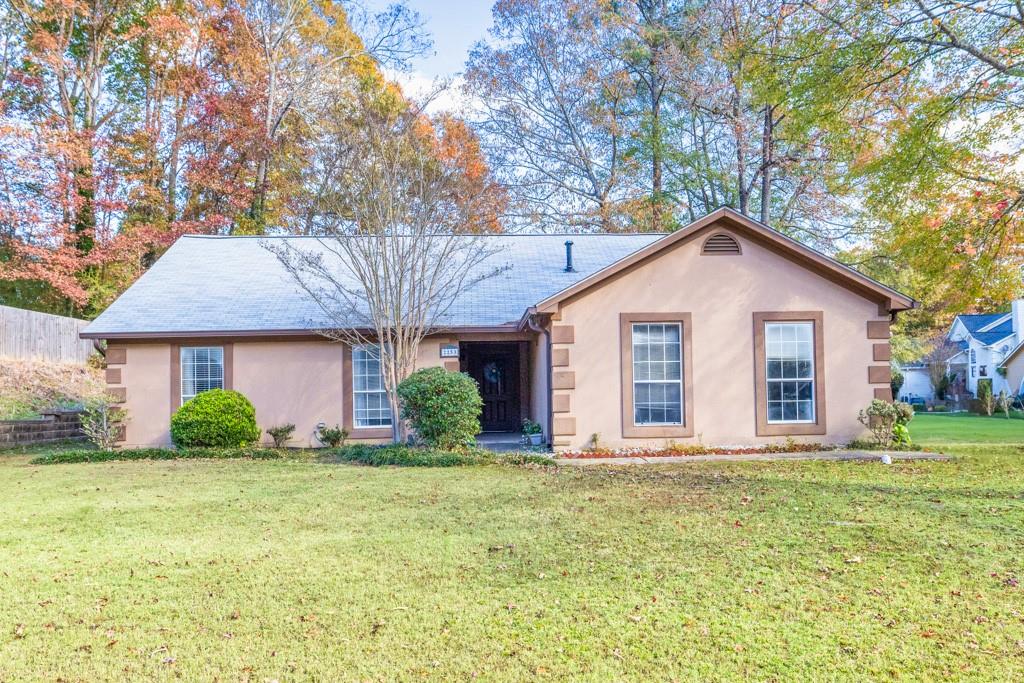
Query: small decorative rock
[{"x": 886, "y": 460}]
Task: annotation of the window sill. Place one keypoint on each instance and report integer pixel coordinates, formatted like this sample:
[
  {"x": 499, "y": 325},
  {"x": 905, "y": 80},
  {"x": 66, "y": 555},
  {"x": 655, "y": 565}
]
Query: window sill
[
  {"x": 791, "y": 429},
  {"x": 370, "y": 433},
  {"x": 655, "y": 431}
]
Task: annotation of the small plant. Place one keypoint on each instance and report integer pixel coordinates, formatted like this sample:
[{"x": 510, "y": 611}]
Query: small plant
[
  {"x": 904, "y": 413},
  {"x": 96, "y": 361},
  {"x": 215, "y": 418},
  {"x": 442, "y": 407},
  {"x": 333, "y": 437},
  {"x": 102, "y": 423},
  {"x": 1004, "y": 403},
  {"x": 281, "y": 434},
  {"x": 900, "y": 435},
  {"x": 883, "y": 418},
  {"x": 594, "y": 442},
  {"x": 880, "y": 418},
  {"x": 531, "y": 427},
  {"x": 533, "y": 433}
]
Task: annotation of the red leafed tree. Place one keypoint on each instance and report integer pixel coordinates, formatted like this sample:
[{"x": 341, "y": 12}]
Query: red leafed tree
[
  {"x": 126, "y": 123},
  {"x": 98, "y": 122}
]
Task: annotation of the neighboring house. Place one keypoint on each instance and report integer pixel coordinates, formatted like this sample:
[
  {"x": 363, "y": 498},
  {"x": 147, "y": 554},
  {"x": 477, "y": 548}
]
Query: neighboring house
[
  {"x": 724, "y": 332},
  {"x": 986, "y": 342},
  {"x": 917, "y": 383},
  {"x": 1013, "y": 364}
]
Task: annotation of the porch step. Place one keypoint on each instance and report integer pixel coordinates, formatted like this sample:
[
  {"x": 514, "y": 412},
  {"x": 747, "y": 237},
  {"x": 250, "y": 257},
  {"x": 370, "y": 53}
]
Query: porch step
[{"x": 500, "y": 442}]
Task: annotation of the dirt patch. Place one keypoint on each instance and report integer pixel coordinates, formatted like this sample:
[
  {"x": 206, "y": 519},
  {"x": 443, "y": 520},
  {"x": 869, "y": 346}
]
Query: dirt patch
[{"x": 28, "y": 388}]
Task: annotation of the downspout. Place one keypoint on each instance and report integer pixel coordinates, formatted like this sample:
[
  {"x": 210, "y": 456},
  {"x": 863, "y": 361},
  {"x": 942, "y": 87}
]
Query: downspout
[{"x": 532, "y": 324}]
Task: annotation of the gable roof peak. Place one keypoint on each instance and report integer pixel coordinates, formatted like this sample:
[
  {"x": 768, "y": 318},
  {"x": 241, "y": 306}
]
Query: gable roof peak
[{"x": 889, "y": 299}]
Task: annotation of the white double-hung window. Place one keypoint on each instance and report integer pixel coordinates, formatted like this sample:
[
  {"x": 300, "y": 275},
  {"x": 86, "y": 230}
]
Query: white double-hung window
[
  {"x": 202, "y": 369},
  {"x": 789, "y": 371},
  {"x": 369, "y": 398},
  {"x": 657, "y": 374}
]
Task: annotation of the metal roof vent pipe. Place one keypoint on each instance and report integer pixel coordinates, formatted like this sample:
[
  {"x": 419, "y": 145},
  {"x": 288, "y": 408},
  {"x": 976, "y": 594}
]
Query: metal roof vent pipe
[{"x": 568, "y": 257}]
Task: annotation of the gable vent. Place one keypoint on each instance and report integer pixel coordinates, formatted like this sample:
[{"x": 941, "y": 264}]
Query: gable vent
[{"x": 721, "y": 244}]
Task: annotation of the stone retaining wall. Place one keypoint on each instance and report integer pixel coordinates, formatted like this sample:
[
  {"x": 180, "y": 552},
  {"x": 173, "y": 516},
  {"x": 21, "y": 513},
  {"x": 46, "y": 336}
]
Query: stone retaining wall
[{"x": 50, "y": 428}]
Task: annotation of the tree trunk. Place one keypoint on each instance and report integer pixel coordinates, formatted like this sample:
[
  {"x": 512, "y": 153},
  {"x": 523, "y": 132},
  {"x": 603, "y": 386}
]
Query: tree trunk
[
  {"x": 767, "y": 145},
  {"x": 656, "y": 159},
  {"x": 259, "y": 199},
  {"x": 741, "y": 157},
  {"x": 172, "y": 165},
  {"x": 85, "y": 216}
]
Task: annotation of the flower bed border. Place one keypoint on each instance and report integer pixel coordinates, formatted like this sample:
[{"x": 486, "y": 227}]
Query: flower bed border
[{"x": 683, "y": 451}]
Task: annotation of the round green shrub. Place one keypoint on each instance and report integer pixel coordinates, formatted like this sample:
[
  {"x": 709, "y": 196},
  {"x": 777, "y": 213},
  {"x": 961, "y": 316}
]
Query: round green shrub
[
  {"x": 215, "y": 418},
  {"x": 443, "y": 407}
]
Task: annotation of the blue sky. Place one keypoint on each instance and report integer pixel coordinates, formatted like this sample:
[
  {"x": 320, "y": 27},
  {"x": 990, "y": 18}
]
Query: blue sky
[{"x": 453, "y": 25}]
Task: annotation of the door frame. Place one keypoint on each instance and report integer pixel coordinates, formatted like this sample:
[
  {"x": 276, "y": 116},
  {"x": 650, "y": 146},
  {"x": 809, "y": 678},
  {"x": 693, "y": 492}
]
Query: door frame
[{"x": 521, "y": 351}]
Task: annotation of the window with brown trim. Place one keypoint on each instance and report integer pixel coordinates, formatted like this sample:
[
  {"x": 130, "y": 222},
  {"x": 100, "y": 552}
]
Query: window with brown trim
[
  {"x": 365, "y": 411},
  {"x": 199, "y": 365},
  {"x": 370, "y": 406},
  {"x": 202, "y": 369},
  {"x": 657, "y": 395},
  {"x": 788, "y": 373}
]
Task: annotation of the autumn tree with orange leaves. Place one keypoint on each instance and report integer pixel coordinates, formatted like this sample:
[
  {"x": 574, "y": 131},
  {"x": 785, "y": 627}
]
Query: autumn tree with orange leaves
[{"x": 124, "y": 124}]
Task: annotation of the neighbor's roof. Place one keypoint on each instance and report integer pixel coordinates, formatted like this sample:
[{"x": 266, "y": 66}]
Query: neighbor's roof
[
  {"x": 236, "y": 284},
  {"x": 229, "y": 285},
  {"x": 982, "y": 326}
]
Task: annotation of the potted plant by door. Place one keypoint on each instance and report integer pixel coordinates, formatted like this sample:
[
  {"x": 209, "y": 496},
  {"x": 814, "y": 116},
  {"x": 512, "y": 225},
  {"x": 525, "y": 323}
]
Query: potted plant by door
[{"x": 533, "y": 434}]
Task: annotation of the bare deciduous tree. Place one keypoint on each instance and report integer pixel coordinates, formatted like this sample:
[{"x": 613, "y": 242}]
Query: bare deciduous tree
[
  {"x": 550, "y": 113},
  {"x": 937, "y": 360},
  {"x": 395, "y": 255},
  {"x": 301, "y": 44}
]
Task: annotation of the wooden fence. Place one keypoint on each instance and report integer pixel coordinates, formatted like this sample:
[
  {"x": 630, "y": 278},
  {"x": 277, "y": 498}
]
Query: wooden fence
[{"x": 41, "y": 336}]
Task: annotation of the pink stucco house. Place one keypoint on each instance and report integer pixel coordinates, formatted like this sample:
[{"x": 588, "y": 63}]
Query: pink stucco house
[{"x": 725, "y": 331}]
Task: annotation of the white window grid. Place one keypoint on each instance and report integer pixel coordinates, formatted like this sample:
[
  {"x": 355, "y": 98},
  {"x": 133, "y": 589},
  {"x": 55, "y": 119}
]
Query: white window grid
[
  {"x": 657, "y": 374},
  {"x": 789, "y": 372},
  {"x": 369, "y": 397},
  {"x": 202, "y": 369}
]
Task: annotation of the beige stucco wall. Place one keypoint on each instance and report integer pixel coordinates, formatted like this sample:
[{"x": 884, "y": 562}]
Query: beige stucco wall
[
  {"x": 298, "y": 382},
  {"x": 291, "y": 382},
  {"x": 721, "y": 293},
  {"x": 1015, "y": 374},
  {"x": 146, "y": 380}
]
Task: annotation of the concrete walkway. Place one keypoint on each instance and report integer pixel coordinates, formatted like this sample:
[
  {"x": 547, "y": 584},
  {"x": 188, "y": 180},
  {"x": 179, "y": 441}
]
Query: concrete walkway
[{"x": 762, "y": 457}]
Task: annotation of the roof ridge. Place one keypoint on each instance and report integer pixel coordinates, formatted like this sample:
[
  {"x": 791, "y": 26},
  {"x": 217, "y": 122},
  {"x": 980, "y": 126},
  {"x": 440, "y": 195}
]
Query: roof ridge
[{"x": 440, "y": 234}]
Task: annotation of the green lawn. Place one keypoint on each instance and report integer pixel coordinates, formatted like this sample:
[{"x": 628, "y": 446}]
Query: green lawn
[
  {"x": 286, "y": 570},
  {"x": 966, "y": 428}
]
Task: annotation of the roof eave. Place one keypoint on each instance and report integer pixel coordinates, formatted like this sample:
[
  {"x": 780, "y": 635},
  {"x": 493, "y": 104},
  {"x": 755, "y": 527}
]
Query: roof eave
[
  {"x": 256, "y": 334},
  {"x": 1012, "y": 354}
]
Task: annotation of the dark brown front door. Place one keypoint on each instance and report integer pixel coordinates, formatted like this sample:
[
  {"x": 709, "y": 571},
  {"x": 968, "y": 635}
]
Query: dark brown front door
[{"x": 495, "y": 367}]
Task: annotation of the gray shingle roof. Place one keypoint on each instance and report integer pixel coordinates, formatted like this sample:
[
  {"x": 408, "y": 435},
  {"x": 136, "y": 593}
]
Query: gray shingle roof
[{"x": 233, "y": 284}]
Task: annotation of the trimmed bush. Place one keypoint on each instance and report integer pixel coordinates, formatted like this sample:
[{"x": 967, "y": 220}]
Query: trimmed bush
[
  {"x": 400, "y": 455},
  {"x": 443, "y": 407},
  {"x": 215, "y": 418},
  {"x": 87, "y": 455}
]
